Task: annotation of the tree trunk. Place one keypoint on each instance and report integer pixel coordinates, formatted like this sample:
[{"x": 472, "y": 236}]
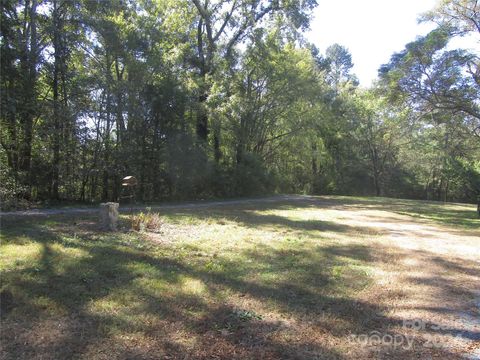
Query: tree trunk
[
  {"x": 478, "y": 205},
  {"x": 202, "y": 119},
  {"x": 445, "y": 198},
  {"x": 107, "y": 157},
  {"x": 108, "y": 112},
  {"x": 439, "y": 189},
  {"x": 29, "y": 66},
  {"x": 56, "y": 104},
  {"x": 376, "y": 171},
  {"x": 105, "y": 185},
  {"x": 239, "y": 152},
  {"x": 376, "y": 184},
  {"x": 314, "y": 160},
  {"x": 216, "y": 146},
  {"x": 119, "y": 94},
  {"x": 11, "y": 146}
]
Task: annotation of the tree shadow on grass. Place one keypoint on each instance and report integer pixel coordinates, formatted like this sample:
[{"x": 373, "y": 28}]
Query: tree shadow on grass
[
  {"x": 254, "y": 220},
  {"x": 443, "y": 213},
  {"x": 58, "y": 315},
  {"x": 68, "y": 287}
]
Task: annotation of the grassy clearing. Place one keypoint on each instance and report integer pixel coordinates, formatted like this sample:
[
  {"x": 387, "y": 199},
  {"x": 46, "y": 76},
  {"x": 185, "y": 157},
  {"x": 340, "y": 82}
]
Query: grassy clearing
[
  {"x": 463, "y": 215},
  {"x": 290, "y": 279}
]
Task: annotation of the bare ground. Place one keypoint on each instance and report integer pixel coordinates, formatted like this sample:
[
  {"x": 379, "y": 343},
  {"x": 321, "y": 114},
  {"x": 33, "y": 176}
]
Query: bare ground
[{"x": 431, "y": 277}]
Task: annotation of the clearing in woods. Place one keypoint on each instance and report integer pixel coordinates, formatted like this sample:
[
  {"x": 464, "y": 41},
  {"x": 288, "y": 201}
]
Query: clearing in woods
[{"x": 289, "y": 277}]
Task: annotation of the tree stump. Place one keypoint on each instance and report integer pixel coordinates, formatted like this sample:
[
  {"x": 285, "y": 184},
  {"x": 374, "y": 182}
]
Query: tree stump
[
  {"x": 478, "y": 205},
  {"x": 109, "y": 216}
]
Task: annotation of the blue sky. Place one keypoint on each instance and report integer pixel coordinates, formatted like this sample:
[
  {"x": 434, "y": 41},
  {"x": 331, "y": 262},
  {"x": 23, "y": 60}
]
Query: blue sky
[{"x": 372, "y": 30}]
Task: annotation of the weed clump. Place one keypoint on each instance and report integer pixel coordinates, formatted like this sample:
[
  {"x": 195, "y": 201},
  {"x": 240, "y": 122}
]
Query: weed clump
[{"x": 146, "y": 221}]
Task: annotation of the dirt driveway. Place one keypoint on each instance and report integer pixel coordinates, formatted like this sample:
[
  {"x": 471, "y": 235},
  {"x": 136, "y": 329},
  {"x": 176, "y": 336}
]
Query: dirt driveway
[{"x": 433, "y": 285}]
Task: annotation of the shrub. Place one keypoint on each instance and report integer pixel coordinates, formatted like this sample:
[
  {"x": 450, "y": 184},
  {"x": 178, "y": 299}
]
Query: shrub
[
  {"x": 146, "y": 221},
  {"x": 252, "y": 178}
]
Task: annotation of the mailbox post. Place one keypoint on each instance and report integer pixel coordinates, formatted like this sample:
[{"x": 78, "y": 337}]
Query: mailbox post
[{"x": 129, "y": 183}]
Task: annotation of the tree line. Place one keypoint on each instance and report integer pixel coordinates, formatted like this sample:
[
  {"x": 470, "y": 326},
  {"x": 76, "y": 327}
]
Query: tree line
[{"x": 223, "y": 98}]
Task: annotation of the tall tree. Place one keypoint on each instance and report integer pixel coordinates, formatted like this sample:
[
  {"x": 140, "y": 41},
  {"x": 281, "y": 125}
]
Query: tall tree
[
  {"x": 338, "y": 62},
  {"x": 461, "y": 17},
  {"x": 435, "y": 80},
  {"x": 221, "y": 25},
  {"x": 21, "y": 57}
]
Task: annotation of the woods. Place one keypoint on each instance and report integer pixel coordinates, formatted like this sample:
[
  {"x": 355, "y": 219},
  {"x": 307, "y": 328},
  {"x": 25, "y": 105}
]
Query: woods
[{"x": 202, "y": 99}]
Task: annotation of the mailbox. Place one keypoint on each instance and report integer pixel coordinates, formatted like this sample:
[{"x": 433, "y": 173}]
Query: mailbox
[{"x": 129, "y": 181}]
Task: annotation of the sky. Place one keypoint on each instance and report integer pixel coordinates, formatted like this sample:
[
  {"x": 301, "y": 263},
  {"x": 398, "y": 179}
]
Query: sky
[{"x": 372, "y": 30}]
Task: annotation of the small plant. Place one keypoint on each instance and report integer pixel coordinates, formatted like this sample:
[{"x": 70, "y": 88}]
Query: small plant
[
  {"x": 237, "y": 319},
  {"x": 146, "y": 221},
  {"x": 245, "y": 315}
]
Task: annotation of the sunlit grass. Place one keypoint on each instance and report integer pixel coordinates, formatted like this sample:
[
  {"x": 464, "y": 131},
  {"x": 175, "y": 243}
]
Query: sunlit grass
[{"x": 209, "y": 269}]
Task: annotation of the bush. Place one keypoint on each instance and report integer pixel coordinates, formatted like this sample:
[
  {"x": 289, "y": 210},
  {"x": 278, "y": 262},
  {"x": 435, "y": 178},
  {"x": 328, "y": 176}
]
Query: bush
[
  {"x": 146, "y": 221},
  {"x": 252, "y": 178}
]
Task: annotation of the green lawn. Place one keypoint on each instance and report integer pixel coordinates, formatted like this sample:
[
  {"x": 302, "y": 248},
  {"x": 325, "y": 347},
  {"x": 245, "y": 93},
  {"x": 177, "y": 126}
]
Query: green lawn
[{"x": 286, "y": 279}]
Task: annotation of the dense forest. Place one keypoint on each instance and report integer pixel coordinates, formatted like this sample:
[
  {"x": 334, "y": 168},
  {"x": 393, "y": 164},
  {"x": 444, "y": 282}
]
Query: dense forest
[{"x": 204, "y": 98}]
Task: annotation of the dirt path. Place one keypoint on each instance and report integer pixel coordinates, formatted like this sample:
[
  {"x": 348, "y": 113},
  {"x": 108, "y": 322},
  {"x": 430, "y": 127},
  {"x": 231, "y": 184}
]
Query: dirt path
[
  {"x": 126, "y": 208},
  {"x": 432, "y": 287}
]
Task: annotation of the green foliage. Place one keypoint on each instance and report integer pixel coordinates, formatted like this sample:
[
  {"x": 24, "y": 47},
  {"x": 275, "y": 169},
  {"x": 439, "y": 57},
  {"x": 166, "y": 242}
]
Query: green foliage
[
  {"x": 441, "y": 85},
  {"x": 224, "y": 98},
  {"x": 11, "y": 191},
  {"x": 252, "y": 178}
]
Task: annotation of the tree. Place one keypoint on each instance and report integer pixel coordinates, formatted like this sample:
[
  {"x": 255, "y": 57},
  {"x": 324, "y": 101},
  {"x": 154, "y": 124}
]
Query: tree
[
  {"x": 435, "y": 80},
  {"x": 221, "y": 25},
  {"x": 220, "y": 98},
  {"x": 21, "y": 51},
  {"x": 338, "y": 62},
  {"x": 381, "y": 130},
  {"x": 459, "y": 16}
]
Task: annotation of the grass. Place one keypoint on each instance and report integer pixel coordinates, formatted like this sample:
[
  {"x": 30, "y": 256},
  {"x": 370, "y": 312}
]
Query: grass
[
  {"x": 265, "y": 280},
  {"x": 463, "y": 215}
]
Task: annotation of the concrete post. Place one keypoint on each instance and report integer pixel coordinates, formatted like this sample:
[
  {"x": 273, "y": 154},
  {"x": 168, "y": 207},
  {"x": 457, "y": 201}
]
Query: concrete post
[{"x": 109, "y": 216}]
